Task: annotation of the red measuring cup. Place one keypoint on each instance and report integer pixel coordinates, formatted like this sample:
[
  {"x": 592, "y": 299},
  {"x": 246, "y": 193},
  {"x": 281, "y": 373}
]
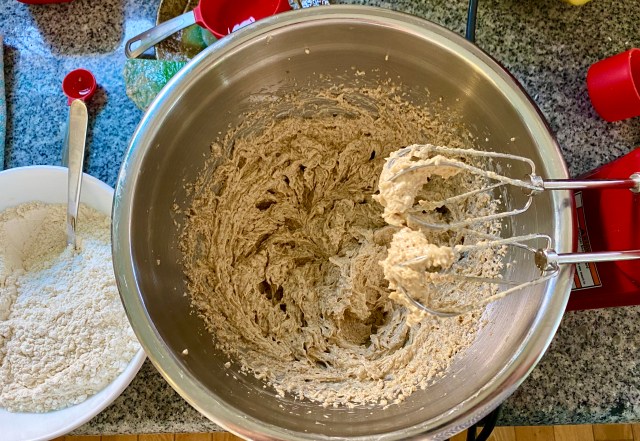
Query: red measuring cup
[{"x": 220, "y": 17}]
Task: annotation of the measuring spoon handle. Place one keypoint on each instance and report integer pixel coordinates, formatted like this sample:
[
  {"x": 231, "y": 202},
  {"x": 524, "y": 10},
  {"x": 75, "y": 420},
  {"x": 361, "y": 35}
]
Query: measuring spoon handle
[
  {"x": 77, "y": 135},
  {"x": 157, "y": 33}
]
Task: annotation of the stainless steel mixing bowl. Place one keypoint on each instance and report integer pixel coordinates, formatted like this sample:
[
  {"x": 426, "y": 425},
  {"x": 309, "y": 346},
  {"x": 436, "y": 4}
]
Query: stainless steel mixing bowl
[{"x": 168, "y": 149}]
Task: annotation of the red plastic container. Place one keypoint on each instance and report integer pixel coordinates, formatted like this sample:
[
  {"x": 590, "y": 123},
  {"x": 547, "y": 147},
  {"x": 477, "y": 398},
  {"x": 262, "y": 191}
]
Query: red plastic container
[{"x": 614, "y": 86}]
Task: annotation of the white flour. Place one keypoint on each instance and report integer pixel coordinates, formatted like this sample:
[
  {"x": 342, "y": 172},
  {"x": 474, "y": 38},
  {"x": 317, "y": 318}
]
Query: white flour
[{"x": 64, "y": 335}]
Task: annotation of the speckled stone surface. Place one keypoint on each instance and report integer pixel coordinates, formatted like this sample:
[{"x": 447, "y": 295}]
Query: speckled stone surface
[{"x": 591, "y": 372}]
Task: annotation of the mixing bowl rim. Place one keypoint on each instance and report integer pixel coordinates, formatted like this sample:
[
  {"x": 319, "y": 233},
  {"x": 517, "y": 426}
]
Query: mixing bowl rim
[{"x": 168, "y": 363}]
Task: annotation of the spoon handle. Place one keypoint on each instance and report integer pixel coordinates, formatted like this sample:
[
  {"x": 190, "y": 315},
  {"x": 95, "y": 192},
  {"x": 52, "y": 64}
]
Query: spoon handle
[
  {"x": 157, "y": 33},
  {"x": 77, "y": 134}
]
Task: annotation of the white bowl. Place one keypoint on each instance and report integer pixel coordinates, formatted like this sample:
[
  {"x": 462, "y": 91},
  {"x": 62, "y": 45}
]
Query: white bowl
[{"x": 49, "y": 184}]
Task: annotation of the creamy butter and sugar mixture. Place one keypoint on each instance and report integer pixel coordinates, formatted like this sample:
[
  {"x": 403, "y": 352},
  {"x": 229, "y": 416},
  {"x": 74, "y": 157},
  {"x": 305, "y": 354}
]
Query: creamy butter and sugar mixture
[
  {"x": 283, "y": 243},
  {"x": 415, "y": 189}
]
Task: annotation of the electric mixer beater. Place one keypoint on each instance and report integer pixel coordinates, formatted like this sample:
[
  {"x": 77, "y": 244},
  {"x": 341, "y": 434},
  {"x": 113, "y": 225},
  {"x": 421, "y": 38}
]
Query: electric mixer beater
[{"x": 442, "y": 270}]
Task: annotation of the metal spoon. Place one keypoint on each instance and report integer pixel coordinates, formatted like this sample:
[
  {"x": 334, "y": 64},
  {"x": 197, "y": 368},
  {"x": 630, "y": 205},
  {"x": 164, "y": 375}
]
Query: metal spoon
[{"x": 76, "y": 135}]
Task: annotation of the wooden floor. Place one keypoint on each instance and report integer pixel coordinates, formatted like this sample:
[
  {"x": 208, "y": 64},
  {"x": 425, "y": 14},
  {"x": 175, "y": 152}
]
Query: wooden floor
[{"x": 604, "y": 432}]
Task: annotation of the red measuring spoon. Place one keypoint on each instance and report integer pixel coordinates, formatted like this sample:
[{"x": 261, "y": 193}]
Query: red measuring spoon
[
  {"x": 79, "y": 84},
  {"x": 220, "y": 17}
]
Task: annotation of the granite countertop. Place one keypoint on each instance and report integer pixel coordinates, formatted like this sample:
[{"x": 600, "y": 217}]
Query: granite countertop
[{"x": 590, "y": 374}]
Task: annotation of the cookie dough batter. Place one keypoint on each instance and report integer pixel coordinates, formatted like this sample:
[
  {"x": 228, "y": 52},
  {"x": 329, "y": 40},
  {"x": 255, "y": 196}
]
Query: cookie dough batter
[
  {"x": 419, "y": 183},
  {"x": 406, "y": 172},
  {"x": 410, "y": 261},
  {"x": 283, "y": 243}
]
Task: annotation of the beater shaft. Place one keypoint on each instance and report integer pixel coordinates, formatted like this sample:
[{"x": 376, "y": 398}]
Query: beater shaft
[
  {"x": 547, "y": 258},
  {"x": 633, "y": 183}
]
